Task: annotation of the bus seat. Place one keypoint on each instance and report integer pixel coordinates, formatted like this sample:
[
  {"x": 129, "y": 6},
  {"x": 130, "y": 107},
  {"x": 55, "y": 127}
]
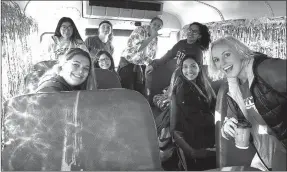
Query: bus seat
[
  {"x": 44, "y": 65},
  {"x": 159, "y": 79},
  {"x": 103, "y": 130},
  {"x": 32, "y": 78},
  {"x": 227, "y": 153},
  {"x": 163, "y": 75},
  {"x": 107, "y": 79}
]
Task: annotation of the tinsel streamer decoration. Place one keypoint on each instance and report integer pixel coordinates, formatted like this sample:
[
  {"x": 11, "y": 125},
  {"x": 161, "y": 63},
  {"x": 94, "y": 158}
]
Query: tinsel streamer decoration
[
  {"x": 17, "y": 33},
  {"x": 266, "y": 35}
]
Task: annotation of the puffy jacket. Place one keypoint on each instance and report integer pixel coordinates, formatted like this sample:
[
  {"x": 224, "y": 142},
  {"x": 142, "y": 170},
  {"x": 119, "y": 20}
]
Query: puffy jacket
[{"x": 269, "y": 93}]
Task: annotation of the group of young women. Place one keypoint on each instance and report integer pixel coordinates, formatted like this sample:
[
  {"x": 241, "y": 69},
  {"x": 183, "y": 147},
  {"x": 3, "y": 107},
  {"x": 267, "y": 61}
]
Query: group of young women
[
  {"x": 251, "y": 76},
  {"x": 74, "y": 59}
]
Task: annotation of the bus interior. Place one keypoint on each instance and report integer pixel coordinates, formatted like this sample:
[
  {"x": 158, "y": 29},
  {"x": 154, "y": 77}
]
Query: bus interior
[{"x": 113, "y": 128}]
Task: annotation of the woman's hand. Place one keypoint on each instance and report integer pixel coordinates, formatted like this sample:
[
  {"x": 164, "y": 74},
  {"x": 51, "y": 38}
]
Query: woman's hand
[
  {"x": 229, "y": 126},
  {"x": 154, "y": 34}
]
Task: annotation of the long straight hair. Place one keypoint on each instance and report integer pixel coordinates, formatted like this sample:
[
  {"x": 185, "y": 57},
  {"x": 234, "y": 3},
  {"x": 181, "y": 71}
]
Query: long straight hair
[
  {"x": 205, "y": 39},
  {"x": 201, "y": 80},
  {"x": 76, "y": 35}
]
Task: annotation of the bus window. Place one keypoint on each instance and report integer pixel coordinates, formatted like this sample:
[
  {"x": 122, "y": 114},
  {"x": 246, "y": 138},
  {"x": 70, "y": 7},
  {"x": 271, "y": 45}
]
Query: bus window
[
  {"x": 119, "y": 43},
  {"x": 165, "y": 43},
  {"x": 44, "y": 38},
  {"x": 42, "y": 50}
]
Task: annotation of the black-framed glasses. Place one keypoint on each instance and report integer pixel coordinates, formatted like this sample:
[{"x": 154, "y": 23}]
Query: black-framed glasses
[
  {"x": 66, "y": 27},
  {"x": 193, "y": 31}
]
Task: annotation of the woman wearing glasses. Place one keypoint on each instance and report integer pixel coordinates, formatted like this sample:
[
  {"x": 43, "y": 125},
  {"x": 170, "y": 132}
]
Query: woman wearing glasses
[
  {"x": 198, "y": 40},
  {"x": 105, "y": 61},
  {"x": 66, "y": 37}
]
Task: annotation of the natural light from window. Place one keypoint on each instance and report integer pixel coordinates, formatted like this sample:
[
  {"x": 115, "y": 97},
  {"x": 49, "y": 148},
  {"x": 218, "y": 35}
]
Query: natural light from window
[{"x": 120, "y": 43}]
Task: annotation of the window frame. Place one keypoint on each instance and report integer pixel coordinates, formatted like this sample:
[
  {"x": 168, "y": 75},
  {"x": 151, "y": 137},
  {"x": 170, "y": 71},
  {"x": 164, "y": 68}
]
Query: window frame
[{"x": 43, "y": 34}]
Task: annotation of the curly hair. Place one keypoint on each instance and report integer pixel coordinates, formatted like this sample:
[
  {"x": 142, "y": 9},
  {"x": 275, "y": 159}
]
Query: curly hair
[{"x": 205, "y": 39}]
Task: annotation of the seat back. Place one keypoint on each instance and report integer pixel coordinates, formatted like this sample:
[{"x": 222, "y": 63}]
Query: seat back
[
  {"x": 227, "y": 153},
  {"x": 107, "y": 79},
  {"x": 159, "y": 79},
  {"x": 103, "y": 130},
  {"x": 38, "y": 70}
]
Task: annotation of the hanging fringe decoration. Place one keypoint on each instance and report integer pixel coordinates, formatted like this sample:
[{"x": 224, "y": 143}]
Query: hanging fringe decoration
[
  {"x": 265, "y": 35},
  {"x": 17, "y": 36}
]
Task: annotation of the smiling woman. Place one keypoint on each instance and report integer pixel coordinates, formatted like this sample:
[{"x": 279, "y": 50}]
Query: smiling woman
[
  {"x": 191, "y": 116},
  {"x": 257, "y": 94},
  {"x": 66, "y": 37},
  {"x": 71, "y": 73}
]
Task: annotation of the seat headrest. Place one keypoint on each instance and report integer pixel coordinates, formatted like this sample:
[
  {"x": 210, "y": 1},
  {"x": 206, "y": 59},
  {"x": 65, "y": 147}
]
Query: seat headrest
[
  {"x": 107, "y": 79},
  {"x": 159, "y": 79}
]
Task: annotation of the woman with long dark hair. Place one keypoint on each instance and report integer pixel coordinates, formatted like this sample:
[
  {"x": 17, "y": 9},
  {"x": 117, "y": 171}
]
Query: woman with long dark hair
[
  {"x": 66, "y": 37},
  {"x": 192, "y": 116}
]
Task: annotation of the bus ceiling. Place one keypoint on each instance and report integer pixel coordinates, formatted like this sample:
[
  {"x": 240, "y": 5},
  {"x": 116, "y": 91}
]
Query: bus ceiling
[{"x": 175, "y": 14}]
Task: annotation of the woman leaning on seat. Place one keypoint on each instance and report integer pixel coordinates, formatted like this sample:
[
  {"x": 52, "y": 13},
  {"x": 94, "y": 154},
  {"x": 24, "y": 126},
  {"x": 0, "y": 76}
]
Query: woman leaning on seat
[
  {"x": 71, "y": 73},
  {"x": 256, "y": 93},
  {"x": 191, "y": 116}
]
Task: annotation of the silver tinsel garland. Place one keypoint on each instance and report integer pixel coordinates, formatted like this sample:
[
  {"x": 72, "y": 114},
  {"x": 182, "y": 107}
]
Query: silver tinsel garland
[{"x": 266, "y": 35}]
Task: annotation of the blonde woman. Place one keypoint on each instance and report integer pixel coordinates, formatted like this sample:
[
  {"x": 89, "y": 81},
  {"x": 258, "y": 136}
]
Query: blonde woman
[{"x": 257, "y": 94}]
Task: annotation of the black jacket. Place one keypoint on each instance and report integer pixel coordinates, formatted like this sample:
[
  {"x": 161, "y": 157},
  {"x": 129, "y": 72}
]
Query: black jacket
[
  {"x": 192, "y": 116},
  {"x": 269, "y": 93},
  {"x": 54, "y": 84}
]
